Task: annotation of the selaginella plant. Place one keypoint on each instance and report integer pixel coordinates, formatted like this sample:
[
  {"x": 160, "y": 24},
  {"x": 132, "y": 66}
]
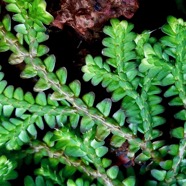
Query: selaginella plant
[{"x": 82, "y": 139}]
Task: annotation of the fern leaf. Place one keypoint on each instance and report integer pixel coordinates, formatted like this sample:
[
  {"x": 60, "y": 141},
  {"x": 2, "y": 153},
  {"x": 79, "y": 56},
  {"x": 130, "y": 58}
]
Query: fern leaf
[
  {"x": 50, "y": 120},
  {"x": 104, "y": 107},
  {"x": 13, "y": 8},
  {"x": 41, "y": 99},
  {"x": 62, "y": 75},
  {"x": 75, "y": 87},
  {"x": 74, "y": 120},
  {"x": 7, "y": 22},
  {"x": 28, "y": 72},
  {"x": 86, "y": 124},
  {"x": 41, "y": 85},
  {"x": 7, "y": 170},
  {"x": 50, "y": 63},
  {"x": 89, "y": 99}
]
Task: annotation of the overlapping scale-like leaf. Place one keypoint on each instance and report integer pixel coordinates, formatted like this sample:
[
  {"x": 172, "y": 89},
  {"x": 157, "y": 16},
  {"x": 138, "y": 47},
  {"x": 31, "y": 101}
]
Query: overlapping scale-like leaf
[
  {"x": 39, "y": 181},
  {"x": 42, "y": 85},
  {"x": 28, "y": 72},
  {"x": 14, "y": 134},
  {"x": 86, "y": 124},
  {"x": 7, "y": 167},
  {"x": 7, "y": 22},
  {"x": 62, "y": 75},
  {"x": 121, "y": 50},
  {"x": 104, "y": 107},
  {"x": 13, "y": 8}
]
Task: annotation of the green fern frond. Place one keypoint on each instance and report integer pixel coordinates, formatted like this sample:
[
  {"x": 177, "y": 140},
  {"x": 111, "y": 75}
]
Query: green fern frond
[
  {"x": 125, "y": 81},
  {"x": 140, "y": 99},
  {"x": 7, "y": 171}
]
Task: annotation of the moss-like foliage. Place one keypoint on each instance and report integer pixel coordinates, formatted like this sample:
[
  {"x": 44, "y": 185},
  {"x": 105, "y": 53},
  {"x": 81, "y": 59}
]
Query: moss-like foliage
[{"x": 75, "y": 148}]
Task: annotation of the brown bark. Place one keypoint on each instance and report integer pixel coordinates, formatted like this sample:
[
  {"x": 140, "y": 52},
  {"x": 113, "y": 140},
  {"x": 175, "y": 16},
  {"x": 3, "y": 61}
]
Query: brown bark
[{"x": 87, "y": 17}]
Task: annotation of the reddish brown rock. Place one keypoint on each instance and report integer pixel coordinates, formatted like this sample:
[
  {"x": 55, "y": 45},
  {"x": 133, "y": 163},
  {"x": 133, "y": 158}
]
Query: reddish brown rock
[{"x": 88, "y": 16}]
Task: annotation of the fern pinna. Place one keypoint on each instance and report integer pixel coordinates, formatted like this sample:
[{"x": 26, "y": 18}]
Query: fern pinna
[{"x": 74, "y": 149}]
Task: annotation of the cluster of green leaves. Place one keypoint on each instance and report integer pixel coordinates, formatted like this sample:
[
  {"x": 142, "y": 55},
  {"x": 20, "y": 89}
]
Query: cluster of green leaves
[
  {"x": 136, "y": 68},
  {"x": 7, "y": 170}
]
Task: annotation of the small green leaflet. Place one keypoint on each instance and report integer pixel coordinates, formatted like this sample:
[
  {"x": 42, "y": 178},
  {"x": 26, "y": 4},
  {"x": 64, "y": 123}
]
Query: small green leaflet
[
  {"x": 74, "y": 151},
  {"x": 42, "y": 85},
  {"x": 21, "y": 28},
  {"x": 104, "y": 107},
  {"x": 13, "y": 8},
  {"x": 89, "y": 99},
  {"x": 7, "y": 22},
  {"x": 62, "y": 75},
  {"x": 75, "y": 86},
  {"x": 130, "y": 181},
  {"x": 159, "y": 175},
  {"x": 41, "y": 99},
  {"x": 112, "y": 172},
  {"x": 50, "y": 63},
  {"x": 86, "y": 124},
  {"x": 178, "y": 132}
]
